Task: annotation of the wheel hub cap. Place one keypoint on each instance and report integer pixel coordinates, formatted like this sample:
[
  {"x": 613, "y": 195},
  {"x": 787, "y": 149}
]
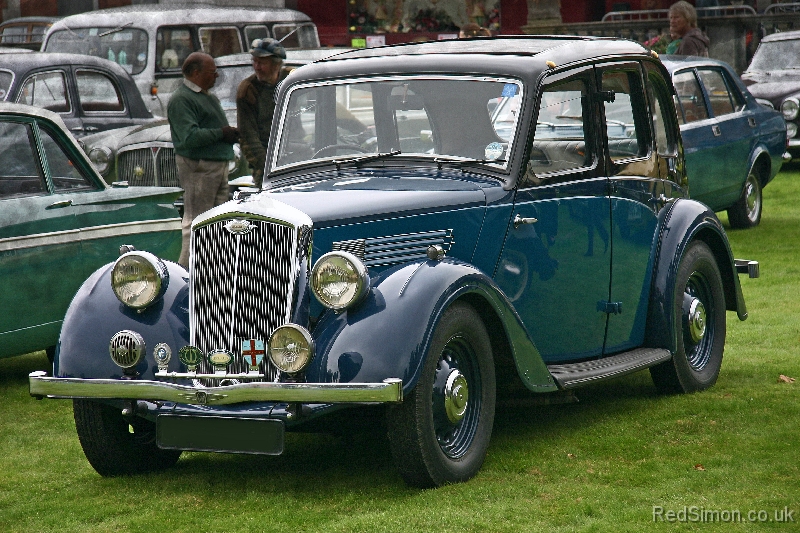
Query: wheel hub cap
[
  {"x": 456, "y": 396},
  {"x": 697, "y": 320}
]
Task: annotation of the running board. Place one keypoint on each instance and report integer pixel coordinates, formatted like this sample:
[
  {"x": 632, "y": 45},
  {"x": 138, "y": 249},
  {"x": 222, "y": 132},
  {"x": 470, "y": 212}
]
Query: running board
[{"x": 573, "y": 375}]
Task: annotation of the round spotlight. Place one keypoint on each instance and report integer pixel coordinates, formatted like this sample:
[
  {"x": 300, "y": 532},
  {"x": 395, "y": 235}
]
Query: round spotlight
[
  {"x": 290, "y": 348},
  {"x": 339, "y": 280},
  {"x": 139, "y": 279}
]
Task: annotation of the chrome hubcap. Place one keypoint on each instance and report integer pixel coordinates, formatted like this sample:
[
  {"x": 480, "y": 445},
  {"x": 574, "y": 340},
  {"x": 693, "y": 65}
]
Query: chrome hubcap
[
  {"x": 456, "y": 396},
  {"x": 697, "y": 320}
]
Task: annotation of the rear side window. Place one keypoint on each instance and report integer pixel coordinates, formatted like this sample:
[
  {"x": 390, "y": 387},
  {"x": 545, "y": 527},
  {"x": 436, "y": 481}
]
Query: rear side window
[
  {"x": 220, "y": 41},
  {"x": 19, "y": 171},
  {"x": 47, "y": 90},
  {"x": 723, "y": 100},
  {"x": 173, "y": 45},
  {"x": 691, "y": 103},
  {"x": 65, "y": 175},
  {"x": 97, "y": 92},
  {"x": 6, "y": 78}
]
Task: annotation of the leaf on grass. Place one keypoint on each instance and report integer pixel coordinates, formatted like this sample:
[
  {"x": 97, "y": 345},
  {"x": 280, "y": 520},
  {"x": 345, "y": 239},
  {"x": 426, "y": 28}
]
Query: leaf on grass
[
  {"x": 785, "y": 379},
  {"x": 571, "y": 455},
  {"x": 700, "y": 467}
]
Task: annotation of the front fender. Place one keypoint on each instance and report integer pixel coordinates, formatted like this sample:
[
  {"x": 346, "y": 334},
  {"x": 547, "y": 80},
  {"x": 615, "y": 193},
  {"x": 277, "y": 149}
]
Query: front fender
[
  {"x": 684, "y": 221},
  {"x": 95, "y": 315},
  {"x": 388, "y": 334}
]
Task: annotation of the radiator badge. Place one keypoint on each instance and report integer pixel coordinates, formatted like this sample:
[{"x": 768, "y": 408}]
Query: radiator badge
[
  {"x": 253, "y": 352},
  {"x": 190, "y": 356},
  {"x": 162, "y": 354},
  {"x": 239, "y": 227},
  {"x": 219, "y": 359}
]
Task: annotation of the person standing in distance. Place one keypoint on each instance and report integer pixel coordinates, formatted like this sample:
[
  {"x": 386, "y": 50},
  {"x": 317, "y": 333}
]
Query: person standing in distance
[
  {"x": 203, "y": 142},
  {"x": 255, "y": 103}
]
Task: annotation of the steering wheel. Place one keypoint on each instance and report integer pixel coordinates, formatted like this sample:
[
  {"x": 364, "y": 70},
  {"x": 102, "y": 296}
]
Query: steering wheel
[{"x": 334, "y": 147}]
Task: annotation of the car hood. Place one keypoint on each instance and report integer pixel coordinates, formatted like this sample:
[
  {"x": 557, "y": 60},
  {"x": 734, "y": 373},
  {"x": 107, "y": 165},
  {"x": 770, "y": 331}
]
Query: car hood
[
  {"x": 775, "y": 91},
  {"x": 153, "y": 131}
]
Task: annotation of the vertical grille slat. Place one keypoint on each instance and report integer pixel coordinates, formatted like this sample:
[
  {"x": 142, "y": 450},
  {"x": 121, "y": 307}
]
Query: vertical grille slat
[{"x": 241, "y": 287}]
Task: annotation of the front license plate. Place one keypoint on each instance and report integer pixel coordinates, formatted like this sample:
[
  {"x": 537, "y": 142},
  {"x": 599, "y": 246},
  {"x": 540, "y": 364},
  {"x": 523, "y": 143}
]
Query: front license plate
[{"x": 220, "y": 434}]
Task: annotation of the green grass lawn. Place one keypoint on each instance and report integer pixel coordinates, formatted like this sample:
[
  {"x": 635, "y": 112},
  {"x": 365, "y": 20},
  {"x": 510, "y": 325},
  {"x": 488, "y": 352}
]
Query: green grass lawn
[{"x": 605, "y": 464}]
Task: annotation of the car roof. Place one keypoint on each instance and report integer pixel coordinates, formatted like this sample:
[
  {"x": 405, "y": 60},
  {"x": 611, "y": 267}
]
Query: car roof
[
  {"x": 142, "y": 15},
  {"x": 32, "y": 111},
  {"x": 22, "y": 20},
  {"x": 674, "y": 63},
  {"x": 28, "y": 61},
  {"x": 781, "y": 36}
]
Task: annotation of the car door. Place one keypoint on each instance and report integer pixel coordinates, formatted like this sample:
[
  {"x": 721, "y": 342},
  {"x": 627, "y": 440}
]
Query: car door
[
  {"x": 50, "y": 90},
  {"x": 100, "y": 102},
  {"x": 643, "y": 161},
  {"x": 555, "y": 264},
  {"x": 40, "y": 267}
]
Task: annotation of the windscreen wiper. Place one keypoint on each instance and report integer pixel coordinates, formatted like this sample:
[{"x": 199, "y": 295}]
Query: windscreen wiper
[
  {"x": 461, "y": 163},
  {"x": 359, "y": 161}
]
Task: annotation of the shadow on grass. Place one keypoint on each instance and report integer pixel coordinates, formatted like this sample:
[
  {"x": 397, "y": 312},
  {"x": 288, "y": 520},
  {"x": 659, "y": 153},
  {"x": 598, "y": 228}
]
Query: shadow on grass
[{"x": 14, "y": 370}]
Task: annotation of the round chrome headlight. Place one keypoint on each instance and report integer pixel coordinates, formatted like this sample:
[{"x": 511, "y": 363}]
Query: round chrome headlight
[
  {"x": 789, "y": 108},
  {"x": 791, "y": 130},
  {"x": 100, "y": 156},
  {"x": 139, "y": 279},
  {"x": 339, "y": 280},
  {"x": 290, "y": 348}
]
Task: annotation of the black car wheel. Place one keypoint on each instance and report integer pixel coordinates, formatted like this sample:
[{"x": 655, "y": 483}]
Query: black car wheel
[
  {"x": 700, "y": 325},
  {"x": 441, "y": 431},
  {"x": 746, "y": 212},
  {"x": 116, "y": 445}
]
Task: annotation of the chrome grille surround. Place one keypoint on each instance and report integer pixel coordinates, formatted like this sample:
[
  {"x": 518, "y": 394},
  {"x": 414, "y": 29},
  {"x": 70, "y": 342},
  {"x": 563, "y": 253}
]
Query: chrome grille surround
[
  {"x": 243, "y": 284},
  {"x": 151, "y": 164},
  {"x": 395, "y": 249}
]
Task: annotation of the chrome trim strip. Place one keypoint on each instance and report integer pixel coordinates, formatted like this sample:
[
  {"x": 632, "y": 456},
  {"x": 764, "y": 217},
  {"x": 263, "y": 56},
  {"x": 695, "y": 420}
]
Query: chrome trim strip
[
  {"x": 94, "y": 232},
  {"x": 42, "y": 385}
]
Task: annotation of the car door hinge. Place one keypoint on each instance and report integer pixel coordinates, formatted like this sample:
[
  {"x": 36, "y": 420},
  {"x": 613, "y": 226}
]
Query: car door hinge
[{"x": 611, "y": 308}]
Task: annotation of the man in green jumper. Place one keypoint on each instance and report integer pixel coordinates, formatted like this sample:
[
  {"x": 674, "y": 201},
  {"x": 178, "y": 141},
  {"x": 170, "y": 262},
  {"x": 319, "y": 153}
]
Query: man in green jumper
[
  {"x": 203, "y": 142},
  {"x": 255, "y": 102}
]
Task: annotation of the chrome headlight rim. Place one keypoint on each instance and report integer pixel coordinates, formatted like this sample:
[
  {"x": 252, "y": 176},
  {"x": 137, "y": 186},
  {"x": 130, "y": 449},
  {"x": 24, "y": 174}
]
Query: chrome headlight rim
[
  {"x": 360, "y": 281},
  {"x": 278, "y": 353},
  {"x": 133, "y": 269},
  {"x": 791, "y": 130},
  {"x": 790, "y": 108},
  {"x": 101, "y": 157}
]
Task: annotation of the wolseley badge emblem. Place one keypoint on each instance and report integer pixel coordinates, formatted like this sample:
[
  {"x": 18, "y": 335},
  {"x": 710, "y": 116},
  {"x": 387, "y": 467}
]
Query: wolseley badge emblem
[
  {"x": 253, "y": 352},
  {"x": 239, "y": 227},
  {"x": 162, "y": 354},
  {"x": 220, "y": 359},
  {"x": 190, "y": 356}
]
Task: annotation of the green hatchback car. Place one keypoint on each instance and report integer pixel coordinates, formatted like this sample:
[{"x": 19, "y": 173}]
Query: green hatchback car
[{"x": 59, "y": 222}]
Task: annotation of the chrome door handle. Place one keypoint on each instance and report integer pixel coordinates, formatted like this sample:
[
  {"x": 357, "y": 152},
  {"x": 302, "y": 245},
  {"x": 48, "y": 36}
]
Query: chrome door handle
[
  {"x": 716, "y": 131},
  {"x": 518, "y": 221},
  {"x": 58, "y": 205},
  {"x": 751, "y": 121}
]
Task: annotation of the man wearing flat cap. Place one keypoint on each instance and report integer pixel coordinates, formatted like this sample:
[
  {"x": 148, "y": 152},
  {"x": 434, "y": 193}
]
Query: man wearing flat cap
[{"x": 255, "y": 102}]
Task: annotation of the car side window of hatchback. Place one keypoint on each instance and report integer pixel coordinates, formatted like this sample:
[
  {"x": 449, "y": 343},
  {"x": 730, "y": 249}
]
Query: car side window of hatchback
[{"x": 20, "y": 174}]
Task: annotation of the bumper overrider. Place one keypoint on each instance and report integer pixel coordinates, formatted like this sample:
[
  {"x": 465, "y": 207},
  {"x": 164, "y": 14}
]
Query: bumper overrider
[{"x": 42, "y": 385}]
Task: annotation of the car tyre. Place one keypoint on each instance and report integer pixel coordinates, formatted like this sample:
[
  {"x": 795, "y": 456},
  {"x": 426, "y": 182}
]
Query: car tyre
[
  {"x": 746, "y": 212},
  {"x": 116, "y": 445},
  {"x": 441, "y": 431},
  {"x": 699, "y": 323}
]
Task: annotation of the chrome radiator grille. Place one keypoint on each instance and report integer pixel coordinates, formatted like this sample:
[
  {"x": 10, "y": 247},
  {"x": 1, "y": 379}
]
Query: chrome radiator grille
[
  {"x": 241, "y": 287},
  {"x": 149, "y": 166},
  {"x": 395, "y": 249}
]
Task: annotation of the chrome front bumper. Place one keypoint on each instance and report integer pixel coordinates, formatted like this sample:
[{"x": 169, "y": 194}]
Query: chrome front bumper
[{"x": 389, "y": 391}]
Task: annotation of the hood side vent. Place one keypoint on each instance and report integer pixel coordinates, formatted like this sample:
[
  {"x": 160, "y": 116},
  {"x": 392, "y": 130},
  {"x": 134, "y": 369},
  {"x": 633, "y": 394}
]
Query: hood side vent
[{"x": 395, "y": 249}]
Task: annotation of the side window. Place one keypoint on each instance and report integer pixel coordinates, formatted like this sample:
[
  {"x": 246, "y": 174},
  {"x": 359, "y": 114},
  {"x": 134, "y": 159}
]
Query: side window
[
  {"x": 47, "y": 90},
  {"x": 173, "y": 45},
  {"x": 718, "y": 93},
  {"x": 97, "y": 92},
  {"x": 559, "y": 142},
  {"x": 658, "y": 97},
  {"x": 691, "y": 103},
  {"x": 6, "y": 78},
  {"x": 220, "y": 41},
  {"x": 66, "y": 177},
  {"x": 251, "y": 33},
  {"x": 626, "y": 128},
  {"x": 20, "y": 174}
]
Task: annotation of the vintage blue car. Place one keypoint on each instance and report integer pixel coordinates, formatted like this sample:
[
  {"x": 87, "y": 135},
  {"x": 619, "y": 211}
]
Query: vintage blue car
[
  {"x": 733, "y": 145},
  {"x": 415, "y": 255},
  {"x": 59, "y": 222}
]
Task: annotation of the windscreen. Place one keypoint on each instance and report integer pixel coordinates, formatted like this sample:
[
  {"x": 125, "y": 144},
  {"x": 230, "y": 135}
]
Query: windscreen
[
  {"x": 776, "y": 55},
  {"x": 124, "y": 45},
  {"x": 424, "y": 117}
]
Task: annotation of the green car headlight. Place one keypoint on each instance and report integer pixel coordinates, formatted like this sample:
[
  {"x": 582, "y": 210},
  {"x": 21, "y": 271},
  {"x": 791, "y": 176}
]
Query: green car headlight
[
  {"x": 100, "y": 157},
  {"x": 339, "y": 280},
  {"x": 290, "y": 348},
  {"x": 789, "y": 108},
  {"x": 139, "y": 279}
]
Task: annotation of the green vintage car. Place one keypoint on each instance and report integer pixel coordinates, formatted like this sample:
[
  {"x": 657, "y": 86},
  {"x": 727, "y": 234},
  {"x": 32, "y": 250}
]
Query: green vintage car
[{"x": 59, "y": 222}]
